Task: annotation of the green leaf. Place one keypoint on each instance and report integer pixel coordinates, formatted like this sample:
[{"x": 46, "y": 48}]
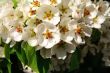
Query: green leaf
[
  {"x": 95, "y": 37},
  {"x": 15, "y": 2},
  {"x": 7, "y": 52},
  {"x": 74, "y": 63},
  {"x": 9, "y": 67},
  {"x": 5, "y": 66},
  {"x": 1, "y": 71},
  {"x": 20, "y": 53},
  {"x": 43, "y": 64},
  {"x": 31, "y": 57}
]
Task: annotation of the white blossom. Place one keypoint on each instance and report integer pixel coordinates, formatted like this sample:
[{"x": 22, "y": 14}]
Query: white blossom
[
  {"x": 61, "y": 49},
  {"x": 65, "y": 30},
  {"x": 48, "y": 35},
  {"x": 49, "y": 14},
  {"x": 102, "y": 7},
  {"x": 64, "y": 8},
  {"x": 80, "y": 30}
]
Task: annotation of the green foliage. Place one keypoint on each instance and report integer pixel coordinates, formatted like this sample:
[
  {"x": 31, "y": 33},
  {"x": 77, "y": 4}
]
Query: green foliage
[
  {"x": 28, "y": 56},
  {"x": 43, "y": 64},
  {"x": 74, "y": 63},
  {"x": 9, "y": 67},
  {"x": 35, "y": 61},
  {"x": 20, "y": 53},
  {"x": 31, "y": 56},
  {"x": 8, "y": 51},
  {"x": 15, "y": 3},
  {"x": 95, "y": 37},
  {"x": 5, "y": 66}
]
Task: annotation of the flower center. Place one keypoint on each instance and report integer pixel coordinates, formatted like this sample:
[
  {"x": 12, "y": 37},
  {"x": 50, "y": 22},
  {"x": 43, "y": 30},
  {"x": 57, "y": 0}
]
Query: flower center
[
  {"x": 86, "y": 12},
  {"x": 36, "y": 3},
  {"x": 53, "y": 1},
  {"x": 100, "y": 8},
  {"x": 48, "y": 15},
  {"x": 63, "y": 9},
  {"x": 18, "y": 28},
  {"x": 37, "y": 22},
  {"x": 63, "y": 29},
  {"x": 48, "y": 34},
  {"x": 78, "y": 30},
  {"x": 32, "y": 12}
]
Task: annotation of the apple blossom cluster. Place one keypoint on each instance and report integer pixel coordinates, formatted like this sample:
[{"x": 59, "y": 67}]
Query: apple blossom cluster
[{"x": 55, "y": 26}]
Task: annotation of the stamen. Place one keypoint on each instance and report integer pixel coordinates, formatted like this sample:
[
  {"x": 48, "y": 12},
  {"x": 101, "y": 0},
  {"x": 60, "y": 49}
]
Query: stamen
[
  {"x": 48, "y": 15},
  {"x": 78, "y": 30},
  {"x": 48, "y": 34},
  {"x": 53, "y": 2},
  {"x": 32, "y": 12},
  {"x": 18, "y": 28},
  {"x": 36, "y": 3},
  {"x": 86, "y": 12},
  {"x": 63, "y": 29},
  {"x": 63, "y": 9}
]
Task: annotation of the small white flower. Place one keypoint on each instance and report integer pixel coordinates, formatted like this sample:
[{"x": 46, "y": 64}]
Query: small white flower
[
  {"x": 6, "y": 9},
  {"x": 61, "y": 49},
  {"x": 97, "y": 21},
  {"x": 80, "y": 30},
  {"x": 77, "y": 12},
  {"x": 33, "y": 22},
  {"x": 4, "y": 33},
  {"x": 48, "y": 35},
  {"x": 64, "y": 8},
  {"x": 19, "y": 15},
  {"x": 49, "y": 14},
  {"x": 65, "y": 31},
  {"x": 102, "y": 6},
  {"x": 81, "y": 8},
  {"x": 24, "y": 7},
  {"x": 75, "y": 3},
  {"x": 90, "y": 11},
  {"x": 17, "y": 32},
  {"x": 30, "y": 36}
]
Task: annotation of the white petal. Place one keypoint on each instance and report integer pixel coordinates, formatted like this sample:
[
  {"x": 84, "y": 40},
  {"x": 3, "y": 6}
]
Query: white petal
[
  {"x": 45, "y": 8},
  {"x": 44, "y": 42},
  {"x": 93, "y": 14},
  {"x": 100, "y": 19},
  {"x": 16, "y": 36},
  {"x": 67, "y": 37},
  {"x": 79, "y": 40},
  {"x": 55, "y": 20},
  {"x": 98, "y": 26},
  {"x": 8, "y": 40},
  {"x": 32, "y": 41}
]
